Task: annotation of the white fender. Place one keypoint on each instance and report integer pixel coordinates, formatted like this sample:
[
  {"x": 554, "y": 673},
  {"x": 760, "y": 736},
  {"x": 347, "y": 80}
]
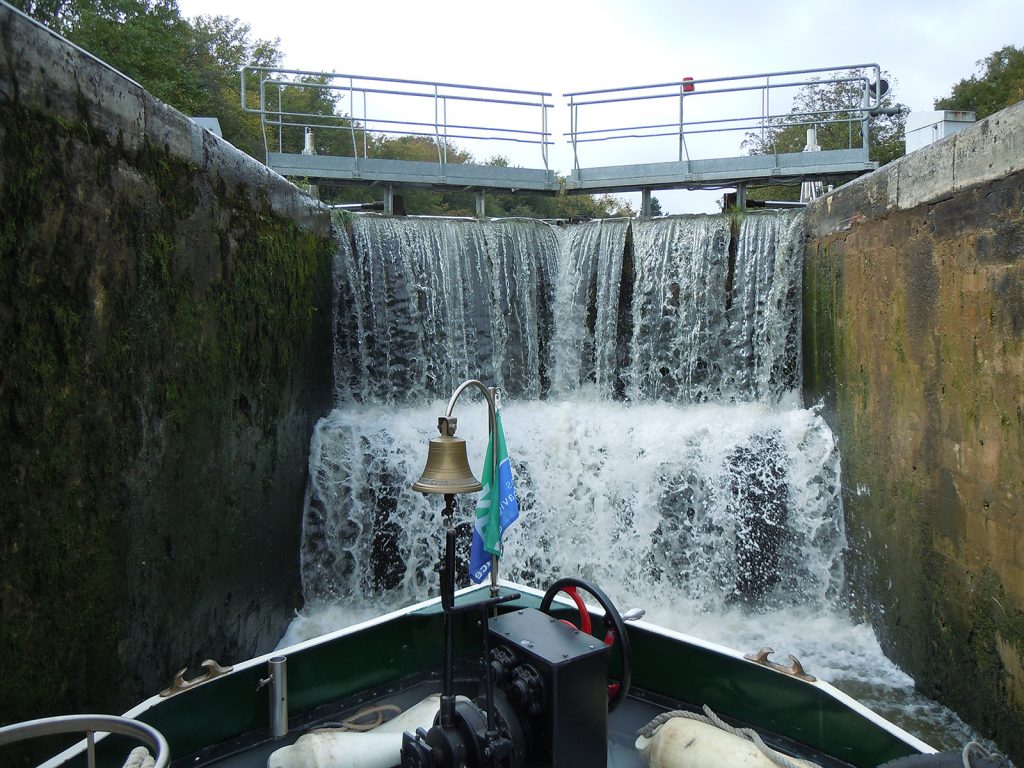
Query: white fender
[
  {"x": 684, "y": 743},
  {"x": 335, "y": 748}
]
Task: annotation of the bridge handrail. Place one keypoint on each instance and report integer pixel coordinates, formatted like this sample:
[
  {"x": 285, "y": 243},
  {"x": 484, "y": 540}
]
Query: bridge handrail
[
  {"x": 730, "y": 78},
  {"x": 354, "y": 86},
  {"x": 870, "y": 95}
]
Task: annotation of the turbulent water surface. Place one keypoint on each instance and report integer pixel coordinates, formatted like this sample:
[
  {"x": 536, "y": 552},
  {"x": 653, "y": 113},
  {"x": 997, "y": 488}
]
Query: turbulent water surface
[{"x": 649, "y": 372}]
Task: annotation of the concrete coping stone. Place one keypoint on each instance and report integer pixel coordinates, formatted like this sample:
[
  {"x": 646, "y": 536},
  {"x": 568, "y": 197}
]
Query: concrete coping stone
[
  {"x": 991, "y": 149},
  {"x": 43, "y": 72}
]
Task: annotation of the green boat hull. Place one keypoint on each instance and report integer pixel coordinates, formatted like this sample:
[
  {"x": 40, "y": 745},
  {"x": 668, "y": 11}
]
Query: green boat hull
[{"x": 403, "y": 651}]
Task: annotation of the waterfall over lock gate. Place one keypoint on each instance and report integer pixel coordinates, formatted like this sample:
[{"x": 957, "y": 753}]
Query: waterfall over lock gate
[
  {"x": 651, "y": 376},
  {"x": 645, "y": 368}
]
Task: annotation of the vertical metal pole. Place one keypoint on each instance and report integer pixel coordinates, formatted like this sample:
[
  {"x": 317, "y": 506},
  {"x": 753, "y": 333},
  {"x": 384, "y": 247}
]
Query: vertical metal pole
[
  {"x": 352, "y": 120},
  {"x": 444, "y": 112},
  {"x": 447, "y": 718},
  {"x": 263, "y": 116},
  {"x": 90, "y": 748},
  {"x": 645, "y": 203},
  {"x": 365, "y": 131},
  {"x": 480, "y": 204},
  {"x": 437, "y": 135},
  {"x": 485, "y": 642},
  {"x": 764, "y": 108},
  {"x": 865, "y": 131},
  {"x": 574, "y": 123},
  {"x": 280, "y": 120},
  {"x": 389, "y": 200},
  {"x": 278, "y": 668},
  {"x": 681, "y": 97},
  {"x": 544, "y": 130},
  {"x": 492, "y": 419}
]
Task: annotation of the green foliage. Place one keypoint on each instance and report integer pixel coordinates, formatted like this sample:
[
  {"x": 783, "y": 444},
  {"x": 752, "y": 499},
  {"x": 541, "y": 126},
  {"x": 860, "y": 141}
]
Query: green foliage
[
  {"x": 192, "y": 65},
  {"x": 789, "y": 133},
  {"x": 999, "y": 86},
  {"x": 58, "y": 15},
  {"x": 307, "y": 102},
  {"x": 220, "y": 46}
]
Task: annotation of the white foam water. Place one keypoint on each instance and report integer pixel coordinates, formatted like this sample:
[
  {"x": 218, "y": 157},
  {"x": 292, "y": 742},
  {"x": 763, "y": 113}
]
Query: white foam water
[{"x": 658, "y": 447}]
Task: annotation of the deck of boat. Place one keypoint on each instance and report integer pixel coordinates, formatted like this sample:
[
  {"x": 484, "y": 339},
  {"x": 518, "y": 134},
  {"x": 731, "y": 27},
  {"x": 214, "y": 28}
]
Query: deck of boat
[{"x": 638, "y": 709}]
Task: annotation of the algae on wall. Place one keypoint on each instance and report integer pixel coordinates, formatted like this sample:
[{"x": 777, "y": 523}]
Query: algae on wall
[
  {"x": 165, "y": 333},
  {"x": 914, "y": 338}
]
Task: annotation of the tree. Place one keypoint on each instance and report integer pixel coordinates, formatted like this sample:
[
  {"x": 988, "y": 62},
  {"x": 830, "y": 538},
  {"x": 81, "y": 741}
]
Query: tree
[
  {"x": 58, "y": 15},
  {"x": 998, "y": 87},
  {"x": 219, "y": 47},
  {"x": 193, "y": 66},
  {"x": 840, "y": 101}
]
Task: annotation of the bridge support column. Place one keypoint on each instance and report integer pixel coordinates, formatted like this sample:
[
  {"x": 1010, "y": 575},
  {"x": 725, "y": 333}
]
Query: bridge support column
[
  {"x": 389, "y": 200},
  {"x": 645, "y": 203},
  {"x": 481, "y": 207},
  {"x": 741, "y": 197}
]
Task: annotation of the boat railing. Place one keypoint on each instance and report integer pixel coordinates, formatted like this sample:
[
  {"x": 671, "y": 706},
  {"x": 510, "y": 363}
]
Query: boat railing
[{"x": 91, "y": 725}]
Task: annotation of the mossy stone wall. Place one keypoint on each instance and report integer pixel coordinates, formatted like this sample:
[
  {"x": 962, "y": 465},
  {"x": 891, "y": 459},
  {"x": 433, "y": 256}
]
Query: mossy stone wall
[
  {"x": 914, "y": 338},
  {"x": 165, "y": 336}
]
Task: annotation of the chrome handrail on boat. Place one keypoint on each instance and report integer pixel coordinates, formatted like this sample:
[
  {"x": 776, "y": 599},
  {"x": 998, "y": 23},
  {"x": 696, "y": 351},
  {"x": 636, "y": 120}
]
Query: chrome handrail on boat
[{"x": 91, "y": 725}]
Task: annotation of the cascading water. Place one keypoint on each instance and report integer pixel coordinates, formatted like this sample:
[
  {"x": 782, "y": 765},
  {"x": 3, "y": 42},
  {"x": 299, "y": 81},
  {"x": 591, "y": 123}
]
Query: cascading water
[
  {"x": 424, "y": 304},
  {"x": 650, "y": 371}
]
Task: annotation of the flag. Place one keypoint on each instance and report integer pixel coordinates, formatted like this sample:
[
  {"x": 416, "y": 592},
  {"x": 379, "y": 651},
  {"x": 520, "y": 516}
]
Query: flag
[{"x": 495, "y": 510}]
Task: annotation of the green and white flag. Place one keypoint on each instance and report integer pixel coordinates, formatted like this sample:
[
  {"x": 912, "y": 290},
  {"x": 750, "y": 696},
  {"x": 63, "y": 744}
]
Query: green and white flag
[{"x": 496, "y": 509}]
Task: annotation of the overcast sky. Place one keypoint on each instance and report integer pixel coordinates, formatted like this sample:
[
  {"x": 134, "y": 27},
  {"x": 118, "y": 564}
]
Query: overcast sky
[{"x": 559, "y": 47}]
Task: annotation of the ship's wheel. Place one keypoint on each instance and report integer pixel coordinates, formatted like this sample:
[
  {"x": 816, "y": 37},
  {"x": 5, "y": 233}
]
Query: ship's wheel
[{"x": 614, "y": 629}]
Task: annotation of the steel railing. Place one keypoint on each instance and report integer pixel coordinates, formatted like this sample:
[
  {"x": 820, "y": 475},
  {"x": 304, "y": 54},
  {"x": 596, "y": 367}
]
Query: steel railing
[
  {"x": 91, "y": 725},
  {"x": 862, "y": 84},
  {"x": 273, "y": 86}
]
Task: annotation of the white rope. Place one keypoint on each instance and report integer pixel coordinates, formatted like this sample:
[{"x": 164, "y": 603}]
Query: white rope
[
  {"x": 710, "y": 718},
  {"x": 139, "y": 758}
]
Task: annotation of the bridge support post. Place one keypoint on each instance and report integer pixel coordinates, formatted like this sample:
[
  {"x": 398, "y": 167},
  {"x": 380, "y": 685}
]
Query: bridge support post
[
  {"x": 645, "y": 203},
  {"x": 389, "y": 200},
  {"x": 741, "y": 197},
  {"x": 481, "y": 208}
]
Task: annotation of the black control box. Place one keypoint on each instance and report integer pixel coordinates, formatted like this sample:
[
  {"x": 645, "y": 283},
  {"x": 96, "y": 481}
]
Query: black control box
[{"x": 557, "y": 677}]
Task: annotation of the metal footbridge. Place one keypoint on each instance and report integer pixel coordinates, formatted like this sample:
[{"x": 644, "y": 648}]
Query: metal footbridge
[{"x": 339, "y": 129}]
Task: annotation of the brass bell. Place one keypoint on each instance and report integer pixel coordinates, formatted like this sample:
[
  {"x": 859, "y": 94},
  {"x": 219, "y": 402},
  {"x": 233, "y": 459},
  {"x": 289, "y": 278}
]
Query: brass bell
[{"x": 447, "y": 469}]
